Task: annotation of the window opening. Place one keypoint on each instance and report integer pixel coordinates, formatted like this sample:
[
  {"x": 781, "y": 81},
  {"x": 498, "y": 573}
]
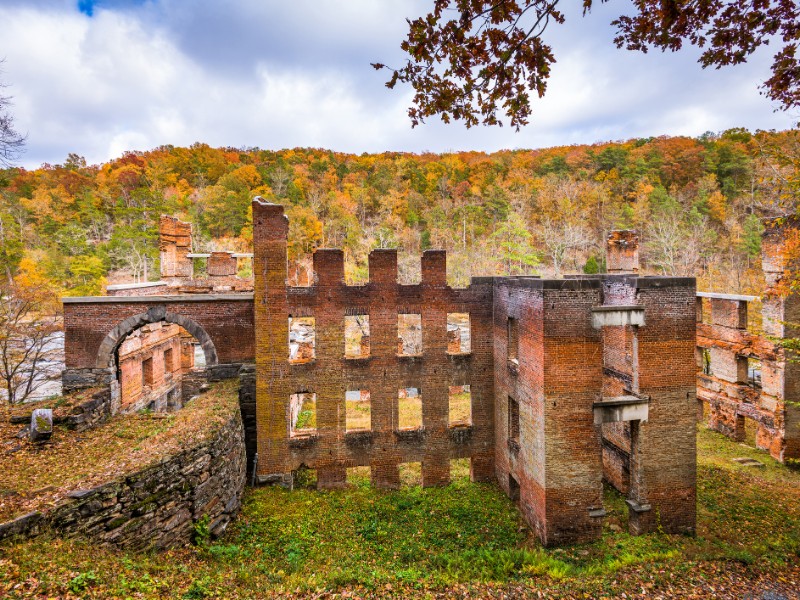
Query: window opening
[
  {"x": 409, "y": 408},
  {"x": 356, "y": 336},
  {"x": 459, "y": 338},
  {"x": 409, "y": 334},
  {"x": 460, "y": 405},
  {"x": 358, "y": 410},
  {"x": 302, "y": 339},
  {"x": 302, "y": 413}
]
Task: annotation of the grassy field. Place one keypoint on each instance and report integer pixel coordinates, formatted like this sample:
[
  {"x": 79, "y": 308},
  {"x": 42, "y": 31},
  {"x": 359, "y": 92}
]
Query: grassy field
[{"x": 464, "y": 540}]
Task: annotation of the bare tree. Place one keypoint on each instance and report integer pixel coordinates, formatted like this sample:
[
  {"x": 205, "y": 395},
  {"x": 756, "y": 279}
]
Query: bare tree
[
  {"x": 561, "y": 238},
  {"x": 11, "y": 142},
  {"x": 28, "y": 336}
]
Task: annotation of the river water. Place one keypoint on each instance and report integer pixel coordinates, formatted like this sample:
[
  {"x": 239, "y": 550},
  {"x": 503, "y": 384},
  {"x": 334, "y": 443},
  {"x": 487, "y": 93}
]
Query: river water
[{"x": 55, "y": 364}]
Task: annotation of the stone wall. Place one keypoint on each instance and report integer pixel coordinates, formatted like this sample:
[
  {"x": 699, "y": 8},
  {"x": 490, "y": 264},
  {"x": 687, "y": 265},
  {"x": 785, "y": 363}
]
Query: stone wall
[{"x": 156, "y": 507}]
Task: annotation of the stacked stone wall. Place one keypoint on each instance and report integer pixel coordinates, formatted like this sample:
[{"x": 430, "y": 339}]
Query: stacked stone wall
[{"x": 159, "y": 506}]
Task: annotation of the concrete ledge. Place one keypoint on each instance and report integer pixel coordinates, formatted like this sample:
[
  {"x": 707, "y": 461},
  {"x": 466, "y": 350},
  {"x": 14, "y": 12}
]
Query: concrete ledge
[
  {"x": 737, "y": 297},
  {"x": 621, "y": 408},
  {"x": 617, "y": 316}
]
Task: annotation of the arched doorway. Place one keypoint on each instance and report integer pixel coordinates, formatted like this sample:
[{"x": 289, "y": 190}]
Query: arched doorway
[
  {"x": 152, "y": 356},
  {"x": 155, "y": 314}
]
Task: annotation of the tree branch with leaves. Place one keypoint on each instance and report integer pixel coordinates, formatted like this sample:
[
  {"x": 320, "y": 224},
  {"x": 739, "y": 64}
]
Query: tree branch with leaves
[{"x": 472, "y": 60}]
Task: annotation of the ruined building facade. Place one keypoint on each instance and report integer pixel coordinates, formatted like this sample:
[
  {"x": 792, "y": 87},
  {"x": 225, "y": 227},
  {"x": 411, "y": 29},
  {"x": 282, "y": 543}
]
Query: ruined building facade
[
  {"x": 152, "y": 362},
  {"x": 745, "y": 375},
  {"x": 570, "y": 381},
  {"x": 547, "y": 386}
]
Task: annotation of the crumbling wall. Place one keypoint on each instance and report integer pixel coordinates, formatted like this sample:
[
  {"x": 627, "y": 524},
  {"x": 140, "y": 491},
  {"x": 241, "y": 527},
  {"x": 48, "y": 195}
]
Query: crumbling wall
[
  {"x": 156, "y": 507},
  {"x": 175, "y": 244},
  {"x": 766, "y": 392},
  {"x": 330, "y": 449},
  {"x": 159, "y": 347}
]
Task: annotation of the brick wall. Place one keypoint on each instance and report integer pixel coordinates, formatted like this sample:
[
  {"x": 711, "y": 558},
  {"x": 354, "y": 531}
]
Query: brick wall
[
  {"x": 330, "y": 449},
  {"x": 226, "y": 319},
  {"x": 553, "y": 379},
  {"x": 732, "y": 396}
]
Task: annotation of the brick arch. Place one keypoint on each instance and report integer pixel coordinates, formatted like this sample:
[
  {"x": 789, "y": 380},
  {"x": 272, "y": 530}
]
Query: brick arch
[{"x": 154, "y": 314}]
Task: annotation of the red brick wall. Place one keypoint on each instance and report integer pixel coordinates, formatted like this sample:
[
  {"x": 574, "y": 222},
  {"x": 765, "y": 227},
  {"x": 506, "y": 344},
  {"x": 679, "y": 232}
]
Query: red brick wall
[
  {"x": 228, "y": 321},
  {"x": 331, "y": 451},
  {"x": 729, "y": 397}
]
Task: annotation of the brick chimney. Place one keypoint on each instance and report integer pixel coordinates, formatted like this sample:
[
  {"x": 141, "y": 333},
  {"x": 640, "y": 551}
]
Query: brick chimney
[{"x": 622, "y": 251}]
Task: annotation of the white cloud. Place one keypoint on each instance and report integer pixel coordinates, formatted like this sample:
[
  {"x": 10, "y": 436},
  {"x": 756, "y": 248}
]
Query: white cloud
[{"x": 276, "y": 75}]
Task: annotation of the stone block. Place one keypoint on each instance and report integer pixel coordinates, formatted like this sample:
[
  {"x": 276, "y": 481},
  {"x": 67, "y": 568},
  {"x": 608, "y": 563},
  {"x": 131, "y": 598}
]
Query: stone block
[{"x": 41, "y": 425}]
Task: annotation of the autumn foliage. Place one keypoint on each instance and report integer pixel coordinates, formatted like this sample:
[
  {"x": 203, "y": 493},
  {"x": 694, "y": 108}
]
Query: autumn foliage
[{"x": 697, "y": 202}]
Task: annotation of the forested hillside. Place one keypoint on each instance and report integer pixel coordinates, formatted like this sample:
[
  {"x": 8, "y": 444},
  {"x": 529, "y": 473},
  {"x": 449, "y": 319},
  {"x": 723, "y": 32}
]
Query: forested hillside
[{"x": 696, "y": 201}]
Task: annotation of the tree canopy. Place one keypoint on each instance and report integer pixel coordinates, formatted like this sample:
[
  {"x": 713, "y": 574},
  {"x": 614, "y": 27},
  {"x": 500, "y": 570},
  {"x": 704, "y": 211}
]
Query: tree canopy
[
  {"x": 74, "y": 227},
  {"x": 477, "y": 60}
]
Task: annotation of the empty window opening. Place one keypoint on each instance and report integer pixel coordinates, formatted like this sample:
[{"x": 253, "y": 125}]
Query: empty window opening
[
  {"x": 513, "y": 419},
  {"x": 304, "y": 477},
  {"x": 169, "y": 363},
  {"x": 409, "y": 334},
  {"x": 302, "y": 339},
  {"x": 750, "y": 432},
  {"x": 356, "y": 336},
  {"x": 302, "y": 413},
  {"x": 359, "y": 476},
  {"x": 358, "y": 410},
  {"x": 460, "y": 405},
  {"x": 513, "y": 339},
  {"x": 706, "y": 361},
  {"x": 459, "y": 469},
  {"x": 147, "y": 372},
  {"x": 409, "y": 408},
  {"x": 513, "y": 488},
  {"x": 197, "y": 357},
  {"x": 410, "y": 474},
  {"x": 741, "y": 369},
  {"x": 459, "y": 338},
  {"x": 754, "y": 372}
]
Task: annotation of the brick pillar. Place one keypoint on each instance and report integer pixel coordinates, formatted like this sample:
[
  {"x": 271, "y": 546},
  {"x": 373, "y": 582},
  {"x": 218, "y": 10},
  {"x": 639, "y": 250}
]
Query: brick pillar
[
  {"x": 383, "y": 341},
  {"x": 435, "y": 389},
  {"x": 328, "y": 376},
  {"x": 663, "y": 448},
  {"x": 174, "y": 243},
  {"x": 573, "y": 376},
  {"x": 271, "y": 318},
  {"x": 780, "y": 246},
  {"x": 622, "y": 251}
]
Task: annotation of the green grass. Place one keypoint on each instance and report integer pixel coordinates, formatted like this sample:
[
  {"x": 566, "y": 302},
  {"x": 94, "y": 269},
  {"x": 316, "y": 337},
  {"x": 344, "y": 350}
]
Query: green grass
[{"x": 465, "y": 537}]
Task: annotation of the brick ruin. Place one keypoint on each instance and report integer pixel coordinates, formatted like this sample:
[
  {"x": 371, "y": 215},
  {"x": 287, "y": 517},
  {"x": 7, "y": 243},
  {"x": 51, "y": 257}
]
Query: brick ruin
[
  {"x": 570, "y": 381},
  {"x": 180, "y": 274},
  {"x": 747, "y": 382},
  {"x": 152, "y": 362},
  {"x": 547, "y": 386}
]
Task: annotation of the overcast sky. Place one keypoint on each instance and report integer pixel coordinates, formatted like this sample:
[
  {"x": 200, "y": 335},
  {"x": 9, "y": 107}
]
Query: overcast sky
[{"x": 101, "y": 77}]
